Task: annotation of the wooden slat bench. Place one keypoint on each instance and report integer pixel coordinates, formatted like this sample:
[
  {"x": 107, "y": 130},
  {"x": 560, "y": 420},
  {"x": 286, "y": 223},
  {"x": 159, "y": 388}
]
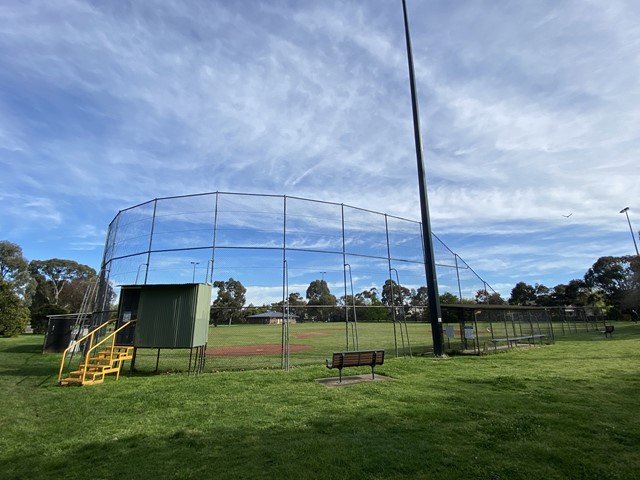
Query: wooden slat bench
[{"x": 358, "y": 358}]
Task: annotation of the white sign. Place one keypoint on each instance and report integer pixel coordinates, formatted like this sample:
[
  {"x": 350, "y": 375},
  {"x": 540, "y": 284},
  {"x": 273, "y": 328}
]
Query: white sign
[{"x": 468, "y": 332}]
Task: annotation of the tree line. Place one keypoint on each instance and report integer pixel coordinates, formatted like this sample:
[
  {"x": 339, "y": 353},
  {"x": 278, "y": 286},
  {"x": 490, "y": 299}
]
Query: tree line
[
  {"x": 31, "y": 290},
  {"x": 612, "y": 285}
]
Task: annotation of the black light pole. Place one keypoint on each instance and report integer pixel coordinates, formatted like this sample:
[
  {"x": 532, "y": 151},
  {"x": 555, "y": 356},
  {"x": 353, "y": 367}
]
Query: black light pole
[
  {"x": 435, "y": 315},
  {"x": 625, "y": 210}
]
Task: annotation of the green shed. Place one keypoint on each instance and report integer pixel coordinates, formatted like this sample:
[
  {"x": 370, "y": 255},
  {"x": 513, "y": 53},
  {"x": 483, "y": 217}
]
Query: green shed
[{"x": 168, "y": 316}]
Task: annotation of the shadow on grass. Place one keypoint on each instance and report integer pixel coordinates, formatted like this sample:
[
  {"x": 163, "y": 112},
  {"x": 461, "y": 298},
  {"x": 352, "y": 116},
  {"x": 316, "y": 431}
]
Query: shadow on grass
[
  {"x": 357, "y": 447},
  {"x": 24, "y": 348},
  {"x": 36, "y": 373}
]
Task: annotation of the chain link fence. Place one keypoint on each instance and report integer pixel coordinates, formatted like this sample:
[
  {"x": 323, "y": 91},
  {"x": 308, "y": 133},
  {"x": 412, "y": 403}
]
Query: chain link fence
[
  {"x": 271, "y": 341},
  {"x": 276, "y": 246}
]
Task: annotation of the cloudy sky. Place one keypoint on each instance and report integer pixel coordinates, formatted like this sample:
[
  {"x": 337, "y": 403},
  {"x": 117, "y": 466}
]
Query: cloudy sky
[{"x": 529, "y": 112}]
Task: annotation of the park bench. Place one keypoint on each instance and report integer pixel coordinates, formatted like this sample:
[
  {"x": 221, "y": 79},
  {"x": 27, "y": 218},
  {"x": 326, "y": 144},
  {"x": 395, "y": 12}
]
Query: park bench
[
  {"x": 359, "y": 358},
  {"x": 608, "y": 330},
  {"x": 513, "y": 341}
]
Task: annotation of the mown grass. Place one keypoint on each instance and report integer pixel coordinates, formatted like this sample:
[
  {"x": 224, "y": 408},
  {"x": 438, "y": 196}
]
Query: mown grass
[
  {"x": 556, "y": 412},
  {"x": 318, "y": 340}
]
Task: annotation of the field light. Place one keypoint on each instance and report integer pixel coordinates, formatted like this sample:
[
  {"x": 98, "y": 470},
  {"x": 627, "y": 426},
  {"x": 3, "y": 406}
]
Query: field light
[
  {"x": 435, "y": 316},
  {"x": 194, "y": 271},
  {"x": 625, "y": 210}
]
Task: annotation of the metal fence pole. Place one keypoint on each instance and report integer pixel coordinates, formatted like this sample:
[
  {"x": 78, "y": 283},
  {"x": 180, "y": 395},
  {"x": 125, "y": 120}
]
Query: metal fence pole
[
  {"x": 153, "y": 223},
  {"x": 344, "y": 273},
  {"x": 393, "y": 310}
]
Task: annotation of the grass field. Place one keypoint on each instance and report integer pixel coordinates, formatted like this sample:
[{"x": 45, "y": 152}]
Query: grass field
[
  {"x": 312, "y": 343},
  {"x": 556, "y": 412}
]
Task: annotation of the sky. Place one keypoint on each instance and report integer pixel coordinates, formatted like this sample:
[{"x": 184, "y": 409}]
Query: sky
[{"x": 529, "y": 118}]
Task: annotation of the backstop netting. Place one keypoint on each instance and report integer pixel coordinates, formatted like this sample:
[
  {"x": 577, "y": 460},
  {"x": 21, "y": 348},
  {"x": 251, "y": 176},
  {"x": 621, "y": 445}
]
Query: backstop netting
[{"x": 276, "y": 246}]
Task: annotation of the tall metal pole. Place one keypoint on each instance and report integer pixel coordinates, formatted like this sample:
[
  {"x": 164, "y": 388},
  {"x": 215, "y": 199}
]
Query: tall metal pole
[
  {"x": 625, "y": 210},
  {"x": 435, "y": 315},
  {"x": 194, "y": 271}
]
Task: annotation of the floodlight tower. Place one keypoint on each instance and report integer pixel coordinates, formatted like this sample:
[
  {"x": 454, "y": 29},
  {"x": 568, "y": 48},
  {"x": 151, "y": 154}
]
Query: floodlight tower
[
  {"x": 435, "y": 315},
  {"x": 194, "y": 271},
  {"x": 625, "y": 210}
]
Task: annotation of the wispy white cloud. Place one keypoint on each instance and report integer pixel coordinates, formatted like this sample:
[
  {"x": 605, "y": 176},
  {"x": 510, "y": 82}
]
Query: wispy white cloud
[{"x": 528, "y": 113}]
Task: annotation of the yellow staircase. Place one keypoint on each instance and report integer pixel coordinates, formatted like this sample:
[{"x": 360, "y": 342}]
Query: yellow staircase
[
  {"x": 94, "y": 369},
  {"x": 97, "y": 362}
]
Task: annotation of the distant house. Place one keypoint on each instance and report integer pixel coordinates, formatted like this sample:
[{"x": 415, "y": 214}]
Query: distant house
[{"x": 269, "y": 318}]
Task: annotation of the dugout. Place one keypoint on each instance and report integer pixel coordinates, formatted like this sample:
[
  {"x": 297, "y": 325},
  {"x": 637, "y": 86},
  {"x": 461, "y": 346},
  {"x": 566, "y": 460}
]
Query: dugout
[
  {"x": 60, "y": 332},
  {"x": 167, "y": 317}
]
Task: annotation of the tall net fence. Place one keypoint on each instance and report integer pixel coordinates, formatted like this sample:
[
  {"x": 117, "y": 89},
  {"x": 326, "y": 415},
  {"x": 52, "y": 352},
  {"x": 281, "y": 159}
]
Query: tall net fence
[
  {"x": 276, "y": 246},
  {"x": 273, "y": 243}
]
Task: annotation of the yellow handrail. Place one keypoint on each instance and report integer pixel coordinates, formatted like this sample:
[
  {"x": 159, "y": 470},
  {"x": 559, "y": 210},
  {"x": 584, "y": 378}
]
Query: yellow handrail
[
  {"x": 74, "y": 344},
  {"x": 111, "y": 336}
]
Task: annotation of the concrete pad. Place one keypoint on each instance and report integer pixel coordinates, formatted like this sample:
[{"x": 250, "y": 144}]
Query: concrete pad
[{"x": 348, "y": 381}]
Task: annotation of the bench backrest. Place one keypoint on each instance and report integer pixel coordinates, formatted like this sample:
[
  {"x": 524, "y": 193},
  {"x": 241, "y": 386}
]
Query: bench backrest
[
  {"x": 358, "y": 358},
  {"x": 608, "y": 328}
]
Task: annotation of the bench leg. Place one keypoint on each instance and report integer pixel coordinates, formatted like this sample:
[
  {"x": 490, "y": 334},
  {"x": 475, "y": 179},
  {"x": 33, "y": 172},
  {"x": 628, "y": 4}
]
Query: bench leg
[
  {"x": 340, "y": 370},
  {"x": 373, "y": 375}
]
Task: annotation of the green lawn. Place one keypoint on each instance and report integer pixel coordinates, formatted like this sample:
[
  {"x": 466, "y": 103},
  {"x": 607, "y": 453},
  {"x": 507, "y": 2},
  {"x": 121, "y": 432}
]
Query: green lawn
[
  {"x": 312, "y": 343},
  {"x": 563, "y": 411}
]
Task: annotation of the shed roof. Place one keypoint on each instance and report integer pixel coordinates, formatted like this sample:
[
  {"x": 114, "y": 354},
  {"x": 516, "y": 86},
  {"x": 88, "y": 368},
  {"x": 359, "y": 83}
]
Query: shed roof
[{"x": 269, "y": 314}]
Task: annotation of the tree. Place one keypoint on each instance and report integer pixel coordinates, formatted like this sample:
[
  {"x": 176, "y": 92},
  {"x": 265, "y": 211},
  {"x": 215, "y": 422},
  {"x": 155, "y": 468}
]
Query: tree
[
  {"x": 39, "y": 316},
  {"x": 296, "y": 300},
  {"x": 74, "y": 293},
  {"x": 448, "y": 298},
  {"x": 522, "y": 294},
  {"x": 484, "y": 297},
  {"x": 369, "y": 297},
  {"x": 398, "y": 299},
  {"x": 632, "y": 298},
  {"x": 420, "y": 297},
  {"x": 616, "y": 278},
  {"x": 394, "y": 294},
  {"x": 543, "y": 295},
  {"x": 40, "y": 291},
  {"x": 575, "y": 293},
  {"x": 319, "y": 295},
  {"x": 371, "y": 307},
  {"x": 14, "y": 316},
  {"x": 559, "y": 296},
  {"x": 14, "y": 268},
  {"x": 227, "y": 306},
  {"x": 58, "y": 273},
  {"x": 296, "y": 303}
]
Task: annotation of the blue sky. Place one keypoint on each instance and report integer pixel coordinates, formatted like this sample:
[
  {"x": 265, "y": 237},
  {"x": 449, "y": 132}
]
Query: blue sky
[{"x": 529, "y": 111}]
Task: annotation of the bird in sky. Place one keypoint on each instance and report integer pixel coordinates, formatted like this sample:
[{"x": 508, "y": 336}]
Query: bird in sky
[{"x": 567, "y": 216}]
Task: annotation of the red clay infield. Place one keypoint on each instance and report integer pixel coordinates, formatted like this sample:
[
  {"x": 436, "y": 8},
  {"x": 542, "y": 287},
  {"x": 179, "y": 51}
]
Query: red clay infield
[
  {"x": 310, "y": 334},
  {"x": 270, "y": 349}
]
